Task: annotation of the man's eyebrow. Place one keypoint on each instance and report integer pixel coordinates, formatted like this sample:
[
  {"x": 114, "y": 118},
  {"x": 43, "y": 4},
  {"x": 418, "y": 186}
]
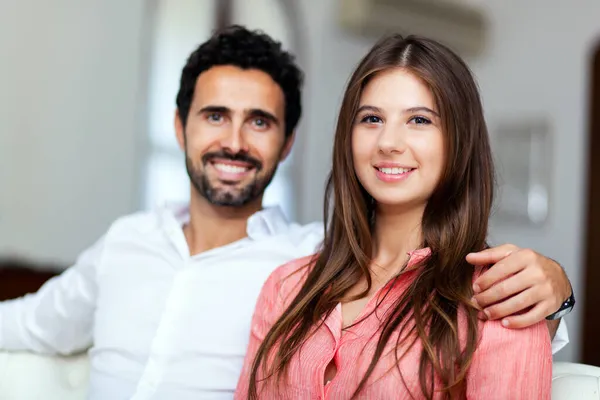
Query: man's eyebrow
[{"x": 214, "y": 109}]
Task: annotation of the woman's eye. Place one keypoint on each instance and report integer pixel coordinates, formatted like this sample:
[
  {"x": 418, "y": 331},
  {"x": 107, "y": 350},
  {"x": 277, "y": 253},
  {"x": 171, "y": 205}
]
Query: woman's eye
[
  {"x": 371, "y": 119},
  {"x": 420, "y": 120}
]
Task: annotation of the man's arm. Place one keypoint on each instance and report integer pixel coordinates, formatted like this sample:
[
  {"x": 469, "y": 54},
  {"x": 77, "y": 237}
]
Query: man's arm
[
  {"x": 553, "y": 327},
  {"x": 521, "y": 288},
  {"x": 59, "y": 317},
  {"x": 558, "y": 334}
]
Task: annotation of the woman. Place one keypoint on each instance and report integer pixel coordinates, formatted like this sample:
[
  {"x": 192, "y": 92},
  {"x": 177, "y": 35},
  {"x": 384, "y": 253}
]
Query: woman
[{"x": 383, "y": 311}]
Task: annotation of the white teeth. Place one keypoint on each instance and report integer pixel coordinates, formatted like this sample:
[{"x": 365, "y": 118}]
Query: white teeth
[
  {"x": 234, "y": 169},
  {"x": 395, "y": 171}
]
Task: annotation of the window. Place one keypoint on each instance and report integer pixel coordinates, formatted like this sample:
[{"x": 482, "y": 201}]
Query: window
[{"x": 179, "y": 27}]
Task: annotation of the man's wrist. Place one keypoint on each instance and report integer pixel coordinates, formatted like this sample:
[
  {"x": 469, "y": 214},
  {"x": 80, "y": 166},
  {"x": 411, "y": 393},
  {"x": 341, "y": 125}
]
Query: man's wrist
[{"x": 565, "y": 308}]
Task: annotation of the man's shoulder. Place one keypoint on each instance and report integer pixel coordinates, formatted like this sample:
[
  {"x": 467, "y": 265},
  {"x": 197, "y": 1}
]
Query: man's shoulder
[
  {"x": 140, "y": 223},
  {"x": 313, "y": 230},
  {"x": 303, "y": 239},
  {"x": 125, "y": 226},
  {"x": 313, "y": 227},
  {"x": 141, "y": 220}
]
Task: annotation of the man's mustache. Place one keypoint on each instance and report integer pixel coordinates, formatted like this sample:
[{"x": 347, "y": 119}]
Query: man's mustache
[{"x": 242, "y": 157}]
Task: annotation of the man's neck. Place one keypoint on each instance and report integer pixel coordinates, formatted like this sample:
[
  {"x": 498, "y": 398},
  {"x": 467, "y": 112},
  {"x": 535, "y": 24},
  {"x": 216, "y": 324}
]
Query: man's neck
[{"x": 212, "y": 226}]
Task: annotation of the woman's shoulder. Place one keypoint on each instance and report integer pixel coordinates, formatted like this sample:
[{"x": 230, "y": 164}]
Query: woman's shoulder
[
  {"x": 493, "y": 331},
  {"x": 288, "y": 278},
  {"x": 295, "y": 265}
]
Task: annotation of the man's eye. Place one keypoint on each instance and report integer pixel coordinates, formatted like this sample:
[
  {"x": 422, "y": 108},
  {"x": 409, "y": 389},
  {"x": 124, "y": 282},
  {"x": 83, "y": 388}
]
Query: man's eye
[
  {"x": 215, "y": 117},
  {"x": 261, "y": 123}
]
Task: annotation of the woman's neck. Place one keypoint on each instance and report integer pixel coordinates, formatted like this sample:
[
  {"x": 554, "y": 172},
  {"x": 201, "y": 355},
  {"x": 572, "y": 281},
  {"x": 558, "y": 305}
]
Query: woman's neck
[{"x": 396, "y": 233}]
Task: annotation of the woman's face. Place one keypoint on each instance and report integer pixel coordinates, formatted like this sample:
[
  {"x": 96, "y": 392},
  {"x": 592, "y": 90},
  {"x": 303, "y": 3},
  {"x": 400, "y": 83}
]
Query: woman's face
[{"x": 397, "y": 140}]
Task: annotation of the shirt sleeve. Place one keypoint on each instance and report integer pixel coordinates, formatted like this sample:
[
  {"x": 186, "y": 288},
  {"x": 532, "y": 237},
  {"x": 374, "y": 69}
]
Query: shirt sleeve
[
  {"x": 58, "y": 318},
  {"x": 265, "y": 315},
  {"x": 511, "y": 363},
  {"x": 561, "y": 338}
]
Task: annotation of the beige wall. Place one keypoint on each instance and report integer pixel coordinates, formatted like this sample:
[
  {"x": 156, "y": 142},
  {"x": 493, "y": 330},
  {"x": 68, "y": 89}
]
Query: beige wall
[{"x": 71, "y": 82}]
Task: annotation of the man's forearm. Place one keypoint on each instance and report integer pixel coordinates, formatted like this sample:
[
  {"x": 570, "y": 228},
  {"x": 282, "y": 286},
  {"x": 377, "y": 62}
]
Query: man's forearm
[{"x": 552, "y": 327}]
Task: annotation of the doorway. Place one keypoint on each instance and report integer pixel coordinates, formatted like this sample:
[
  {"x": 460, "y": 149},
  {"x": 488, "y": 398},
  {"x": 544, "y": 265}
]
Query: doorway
[{"x": 591, "y": 316}]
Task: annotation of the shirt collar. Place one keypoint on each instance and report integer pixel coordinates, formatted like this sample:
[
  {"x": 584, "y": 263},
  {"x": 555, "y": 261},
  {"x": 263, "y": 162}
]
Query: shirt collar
[
  {"x": 269, "y": 221},
  {"x": 416, "y": 257}
]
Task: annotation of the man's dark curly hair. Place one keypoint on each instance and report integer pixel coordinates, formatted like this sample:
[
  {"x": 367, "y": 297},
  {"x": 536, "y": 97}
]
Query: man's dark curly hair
[{"x": 240, "y": 47}]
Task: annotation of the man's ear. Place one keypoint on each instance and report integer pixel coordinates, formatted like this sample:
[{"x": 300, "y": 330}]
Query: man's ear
[
  {"x": 179, "y": 130},
  {"x": 287, "y": 146}
]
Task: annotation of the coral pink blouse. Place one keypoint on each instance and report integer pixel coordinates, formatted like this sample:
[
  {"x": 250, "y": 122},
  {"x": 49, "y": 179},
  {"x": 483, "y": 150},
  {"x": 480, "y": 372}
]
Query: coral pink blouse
[{"x": 508, "y": 364}]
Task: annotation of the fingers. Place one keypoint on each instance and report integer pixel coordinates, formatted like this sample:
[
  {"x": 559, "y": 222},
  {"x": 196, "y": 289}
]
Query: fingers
[
  {"x": 512, "y": 305},
  {"x": 491, "y": 255},
  {"x": 533, "y": 316},
  {"x": 497, "y": 273},
  {"x": 521, "y": 288},
  {"x": 500, "y": 291}
]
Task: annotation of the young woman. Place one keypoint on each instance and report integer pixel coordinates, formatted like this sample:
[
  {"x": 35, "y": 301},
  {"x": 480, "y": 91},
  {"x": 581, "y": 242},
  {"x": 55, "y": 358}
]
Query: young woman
[{"x": 384, "y": 310}]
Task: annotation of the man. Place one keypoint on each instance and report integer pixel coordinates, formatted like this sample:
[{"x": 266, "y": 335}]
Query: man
[{"x": 165, "y": 298}]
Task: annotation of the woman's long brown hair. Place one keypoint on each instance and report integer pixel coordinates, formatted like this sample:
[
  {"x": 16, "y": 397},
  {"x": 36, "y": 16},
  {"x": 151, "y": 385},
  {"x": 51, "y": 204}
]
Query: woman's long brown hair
[{"x": 455, "y": 223}]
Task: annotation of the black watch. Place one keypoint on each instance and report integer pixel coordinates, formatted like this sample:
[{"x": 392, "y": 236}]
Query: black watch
[{"x": 565, "y": 308}]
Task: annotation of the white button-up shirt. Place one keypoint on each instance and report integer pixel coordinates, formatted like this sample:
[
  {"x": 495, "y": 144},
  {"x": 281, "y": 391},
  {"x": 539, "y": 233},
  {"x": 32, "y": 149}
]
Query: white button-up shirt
[{"x": 162, "y": 324}]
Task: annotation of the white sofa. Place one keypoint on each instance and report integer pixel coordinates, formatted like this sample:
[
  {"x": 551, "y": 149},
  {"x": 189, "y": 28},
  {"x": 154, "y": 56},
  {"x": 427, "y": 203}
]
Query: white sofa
[
  {"x": 26, "y": 376},
  {"x": 575, "y": 381}
]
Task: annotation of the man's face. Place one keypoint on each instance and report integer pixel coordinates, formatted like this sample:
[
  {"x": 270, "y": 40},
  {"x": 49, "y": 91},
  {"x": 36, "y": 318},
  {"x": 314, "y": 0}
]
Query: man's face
[{"x": 234, "y": 137}]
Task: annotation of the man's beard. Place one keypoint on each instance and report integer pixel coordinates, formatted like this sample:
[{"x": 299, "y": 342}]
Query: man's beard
[{"x": 228, "y": 196}]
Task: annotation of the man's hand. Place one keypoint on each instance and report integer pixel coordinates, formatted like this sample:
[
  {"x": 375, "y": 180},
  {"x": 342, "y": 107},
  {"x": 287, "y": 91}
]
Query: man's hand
[{"x": 522, "y": 287}]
